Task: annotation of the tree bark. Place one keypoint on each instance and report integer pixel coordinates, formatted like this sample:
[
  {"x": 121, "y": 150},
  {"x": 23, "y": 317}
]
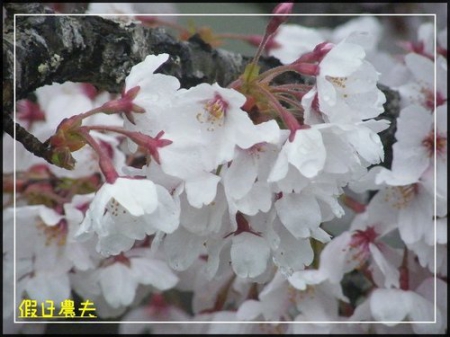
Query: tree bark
[{"x": 102, "y": 52}]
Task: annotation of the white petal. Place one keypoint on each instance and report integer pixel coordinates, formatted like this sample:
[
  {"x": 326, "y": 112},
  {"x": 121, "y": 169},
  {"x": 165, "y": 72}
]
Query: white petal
[
  {"x": 45, "y": 286},
  {"x": 241, "y": 175},
  {"x": 413, "y": 220},
  {"x": 249, "y": 255},
  {"x": 202, "y": 190},
  {"x": 293, "y": 254},
  {"x": 423, "y": 311},
  {"x": 342, "y": 60},
  {"x": 182, "y": 248},
  {"x": 421, "y": 67},
  {"x": 367, "y": 143},
  {"x": 307, "y": 152},
  {"x": 249, "y": 310},
  {"x": 280, "y": 168},
  {"x": 49, "y": 216},
  {"x": 118, "y": 287},
  {"x": 258, "y": 199},
  {"x": 144, "y": 69},
  {"x": 299, "y": 213},
  {"x": 113, "y": 244},
  {"x": 390, "y": 304},
  {"x": 413, "y": 125},
  {"x": 137, "y": 196},
  {"x": 391, "y": 273},
  {"x": 166, "y": 218},
  {"x": 334, "y": 258},
  {"x": 153, "y": 272}
]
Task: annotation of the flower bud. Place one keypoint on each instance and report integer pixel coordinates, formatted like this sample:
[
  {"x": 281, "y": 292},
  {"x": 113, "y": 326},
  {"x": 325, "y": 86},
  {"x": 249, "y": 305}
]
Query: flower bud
[{"x": 281, "y": 11}]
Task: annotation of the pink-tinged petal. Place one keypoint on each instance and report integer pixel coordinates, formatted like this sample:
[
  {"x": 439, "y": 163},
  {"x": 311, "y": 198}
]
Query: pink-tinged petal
[
  {"x": 249, "y": 255},
  {"x": 299, "y": 213},
  {"x": 118, "y": 287},
  {"x": 335, "y": 258}
]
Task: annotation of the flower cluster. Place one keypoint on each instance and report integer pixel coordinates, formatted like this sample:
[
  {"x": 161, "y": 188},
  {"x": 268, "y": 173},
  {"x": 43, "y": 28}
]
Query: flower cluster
[{"x": 178, "y": 190}]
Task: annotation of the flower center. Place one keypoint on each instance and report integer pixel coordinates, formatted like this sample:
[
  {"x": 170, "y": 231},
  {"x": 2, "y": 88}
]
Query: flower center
[
  {"x": 54, "y": 234},
  {"x": 360, "y": 243},
  {"x": 115, "y": 208},
  {"x": 339, "y": 82},
  {"x": 400, "y": 196},
  {"x": 440, "y": 145},
  {"x": 213, "y": 112}
]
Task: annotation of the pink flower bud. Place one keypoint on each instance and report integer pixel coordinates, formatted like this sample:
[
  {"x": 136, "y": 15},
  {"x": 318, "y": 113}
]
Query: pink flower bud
[
  {"x": 281, "y": 12},
  {"x": 307, "y": 69},
  {"x": 283, "y": 8}
]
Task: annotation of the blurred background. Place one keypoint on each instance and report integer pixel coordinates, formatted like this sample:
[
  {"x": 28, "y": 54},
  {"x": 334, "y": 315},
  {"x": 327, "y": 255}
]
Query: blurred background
[{"x": 400, "y": 20}]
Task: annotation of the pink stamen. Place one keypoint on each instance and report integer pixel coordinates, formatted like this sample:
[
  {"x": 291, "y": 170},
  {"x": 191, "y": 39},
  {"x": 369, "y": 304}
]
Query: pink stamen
[{"x": 361, "y": 241}]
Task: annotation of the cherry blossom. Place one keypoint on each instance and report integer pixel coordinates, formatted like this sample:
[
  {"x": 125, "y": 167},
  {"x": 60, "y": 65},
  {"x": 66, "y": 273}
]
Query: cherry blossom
[
  {"x": 418, "y": 141},
  {"x": 396, "y": 305},
  {"x": 346, "y": 88},
  {"x": 286, "y": 195},
  {"x": 119, "y": 215}
]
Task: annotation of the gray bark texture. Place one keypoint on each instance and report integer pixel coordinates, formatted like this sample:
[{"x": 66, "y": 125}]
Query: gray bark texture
[{"x": 102, "y": 52}]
